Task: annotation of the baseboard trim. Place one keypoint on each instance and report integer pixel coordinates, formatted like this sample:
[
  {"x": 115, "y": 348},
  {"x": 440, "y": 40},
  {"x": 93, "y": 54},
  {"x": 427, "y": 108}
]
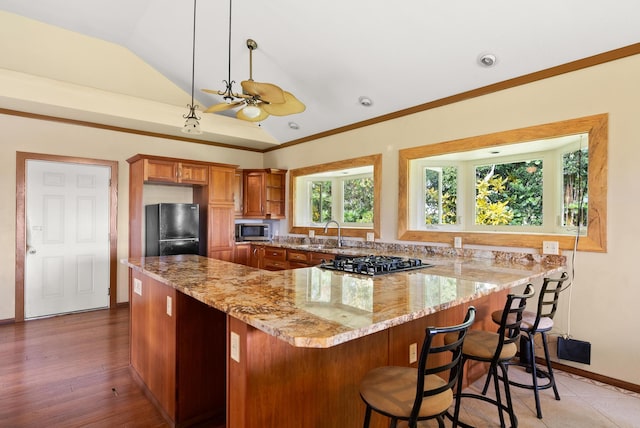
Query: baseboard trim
[{"x": 593, "y": 376}]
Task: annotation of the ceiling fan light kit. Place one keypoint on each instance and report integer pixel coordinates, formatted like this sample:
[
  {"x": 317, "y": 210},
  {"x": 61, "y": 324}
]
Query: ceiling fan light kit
[
  {"x": 192, "y": 123},
  {"x": 257, "y": 100}
]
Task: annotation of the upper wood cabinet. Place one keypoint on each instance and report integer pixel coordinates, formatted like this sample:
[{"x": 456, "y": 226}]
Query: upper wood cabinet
[
  {"x": 264, "y": 193},
  {"x": 221, "y": 185},
  {"x": 237, "y": 193},
  {"x": 169, "y": 171}
]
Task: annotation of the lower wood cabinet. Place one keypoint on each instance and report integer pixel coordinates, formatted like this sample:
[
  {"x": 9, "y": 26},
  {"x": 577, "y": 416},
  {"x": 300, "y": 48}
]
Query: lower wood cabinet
[
  {"x": 278, "y": 258},
  {"x": 274, "y": 258},
  {"x": 171, "y": 351},
  {"x": 242, "y": 254}
]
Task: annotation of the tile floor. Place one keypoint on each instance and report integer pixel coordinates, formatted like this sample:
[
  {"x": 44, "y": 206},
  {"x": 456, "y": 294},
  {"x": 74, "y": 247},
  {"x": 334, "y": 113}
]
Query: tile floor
[{"x": 584, "y": 403}]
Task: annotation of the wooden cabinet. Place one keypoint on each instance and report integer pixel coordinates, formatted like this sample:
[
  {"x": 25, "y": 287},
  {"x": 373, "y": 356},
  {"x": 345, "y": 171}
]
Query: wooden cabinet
[
  {"x": 274, "y": 258},
  {"x": 220, "y": 236},
  {"x": 171, "y": 352},
  {"x": 170, "y": 171},
  {"x": 220, "y": 213},
  {"x": 264, "y": 193},
  {"x": 256, "y": 256},
  {"x": 237, "y": 193},
  {"x": 278, "y": 258},
  {"x": 242, "y": 254},
  {"x": 221, "y": 185}
]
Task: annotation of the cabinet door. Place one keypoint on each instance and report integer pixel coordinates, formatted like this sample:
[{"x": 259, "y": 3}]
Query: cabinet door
[
  {"x": 189, "y": 173},
  {"x": 161, "y": 171},
  {"x": 237, "y": 193},
  {"x": 221, "y": 185},
  {"x": 220, "y": 235},
  {"x": 242, "y": 254},
  {"x": 254, "y": 194},
  {"x": 257, "y": 256}
]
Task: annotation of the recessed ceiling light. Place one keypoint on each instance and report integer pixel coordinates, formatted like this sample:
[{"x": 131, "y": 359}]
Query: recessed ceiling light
[
  {"x": 294, "y": 125},
  {"x": 487, "y": 60},
  {"x": 365, "y": 101}
]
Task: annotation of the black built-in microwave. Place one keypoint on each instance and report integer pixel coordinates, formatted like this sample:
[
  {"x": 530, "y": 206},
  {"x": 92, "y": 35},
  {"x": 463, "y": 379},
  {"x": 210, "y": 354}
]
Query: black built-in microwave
[{"x": 252, "y": 232}]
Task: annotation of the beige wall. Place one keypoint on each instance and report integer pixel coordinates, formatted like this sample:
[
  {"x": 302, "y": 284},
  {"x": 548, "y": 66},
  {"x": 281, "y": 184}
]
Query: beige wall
[
  {"x": 606, "y": 289},
  {"x": 38, "y": 136}
]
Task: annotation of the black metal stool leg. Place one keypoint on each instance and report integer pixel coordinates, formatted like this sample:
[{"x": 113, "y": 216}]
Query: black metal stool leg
[
  {"x": 534, "y": 374},
  {"x": 548, "y": 360}
]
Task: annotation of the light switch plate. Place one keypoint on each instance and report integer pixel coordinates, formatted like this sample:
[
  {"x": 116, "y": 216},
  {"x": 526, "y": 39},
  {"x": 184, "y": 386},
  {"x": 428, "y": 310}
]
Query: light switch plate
[
  {"x": 235, "y": 347},
  {"x": 370, "y": 236},
  {"x": 550, "y": 247},
  {"x": 312, "y": 233},
  {"x": 413, "y": 353},
  {"x": 169, "y": 306},
  {"x": 137, "y": 286},
  {"x": 457, "y": 242}
]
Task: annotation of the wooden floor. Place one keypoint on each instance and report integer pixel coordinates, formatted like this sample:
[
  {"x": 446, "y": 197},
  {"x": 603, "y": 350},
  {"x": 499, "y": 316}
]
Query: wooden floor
[{"x": 71, "y": 371}]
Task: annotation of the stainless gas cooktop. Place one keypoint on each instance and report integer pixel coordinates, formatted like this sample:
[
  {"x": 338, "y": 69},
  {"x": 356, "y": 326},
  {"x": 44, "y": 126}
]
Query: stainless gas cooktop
[{"x": 373, "y": 265}]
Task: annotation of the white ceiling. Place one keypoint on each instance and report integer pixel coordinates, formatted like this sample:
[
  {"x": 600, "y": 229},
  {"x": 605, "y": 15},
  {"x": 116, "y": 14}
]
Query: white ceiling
[{"x": 134, "y": 68}]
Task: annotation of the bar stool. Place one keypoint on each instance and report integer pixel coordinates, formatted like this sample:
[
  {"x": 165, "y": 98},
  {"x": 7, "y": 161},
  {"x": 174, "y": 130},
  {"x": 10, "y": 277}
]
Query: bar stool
[
  {"x": 409, "y": 394},
  {"x": 496, "y": 349},
  {"x": 533, "y": 323}
]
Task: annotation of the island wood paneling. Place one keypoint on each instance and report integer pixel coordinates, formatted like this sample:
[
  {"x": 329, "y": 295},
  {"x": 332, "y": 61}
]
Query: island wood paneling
[
  {"x": 179, "y": 358},
  {"x": 279, "y": 385}
]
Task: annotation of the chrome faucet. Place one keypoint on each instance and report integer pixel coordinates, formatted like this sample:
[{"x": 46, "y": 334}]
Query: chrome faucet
[{"x": 326, "y": 226}]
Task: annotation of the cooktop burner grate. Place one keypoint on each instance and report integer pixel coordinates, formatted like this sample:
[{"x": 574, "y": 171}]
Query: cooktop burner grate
[{"x": 373, "y": 265}]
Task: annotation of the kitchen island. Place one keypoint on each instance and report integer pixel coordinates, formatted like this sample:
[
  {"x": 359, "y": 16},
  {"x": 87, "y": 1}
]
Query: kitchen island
[{"x": 222, "y": 341}]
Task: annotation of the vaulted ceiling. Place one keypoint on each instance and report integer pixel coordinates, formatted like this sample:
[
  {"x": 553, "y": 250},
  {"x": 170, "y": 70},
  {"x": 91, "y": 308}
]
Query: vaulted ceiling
[{"x": 128, "y": 63}]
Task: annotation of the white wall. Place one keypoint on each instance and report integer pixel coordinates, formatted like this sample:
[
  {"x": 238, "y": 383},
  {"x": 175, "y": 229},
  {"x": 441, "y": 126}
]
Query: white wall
[
  {"x": 606, "y": 290},
  {"x": 39, "y": 136}
]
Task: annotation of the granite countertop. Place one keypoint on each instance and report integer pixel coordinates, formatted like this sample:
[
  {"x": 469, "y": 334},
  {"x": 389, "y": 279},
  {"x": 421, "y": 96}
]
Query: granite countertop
[{"x": 318, "y": 308}]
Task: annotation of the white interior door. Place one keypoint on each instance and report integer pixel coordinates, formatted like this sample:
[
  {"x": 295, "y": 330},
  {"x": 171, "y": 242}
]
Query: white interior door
[{"x": 67, "y": 261}]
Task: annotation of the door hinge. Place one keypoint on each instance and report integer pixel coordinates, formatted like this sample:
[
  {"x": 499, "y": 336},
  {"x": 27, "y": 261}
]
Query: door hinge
[{"x": 109, "y": 291}]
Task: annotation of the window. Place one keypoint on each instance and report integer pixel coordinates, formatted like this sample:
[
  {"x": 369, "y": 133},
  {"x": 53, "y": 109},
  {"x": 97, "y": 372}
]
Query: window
[
  {"x": 546, "y": 182},
  {"x": 345, "y": 196},
  {"x": 347, "y": 191}
]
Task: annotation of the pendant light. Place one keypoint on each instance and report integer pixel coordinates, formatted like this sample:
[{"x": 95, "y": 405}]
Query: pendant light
[{"x": 192, "y": 123}]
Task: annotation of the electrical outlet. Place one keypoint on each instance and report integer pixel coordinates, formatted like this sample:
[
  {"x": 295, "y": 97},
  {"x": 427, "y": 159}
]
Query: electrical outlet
[
  {"x": 137, "y": 286},
  {"x": 370, "y": 236},
  {"x": 457, "y": 242},
  {"x": 235, "y": 347},
  {"x": 312, "y": 233},
  {"x": 550, "y": 247},
  {"x": 413, "y": 353},
  {"x": 169, "y": 305}
]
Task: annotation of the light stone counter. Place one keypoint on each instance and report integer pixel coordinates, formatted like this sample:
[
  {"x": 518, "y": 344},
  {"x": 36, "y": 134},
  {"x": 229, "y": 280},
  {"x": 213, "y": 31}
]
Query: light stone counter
[{"x": 317, "y": 308}]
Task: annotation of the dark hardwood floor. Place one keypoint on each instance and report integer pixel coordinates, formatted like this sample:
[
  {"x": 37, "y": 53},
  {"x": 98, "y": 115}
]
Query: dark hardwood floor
[{"x": 71, "y": 371}]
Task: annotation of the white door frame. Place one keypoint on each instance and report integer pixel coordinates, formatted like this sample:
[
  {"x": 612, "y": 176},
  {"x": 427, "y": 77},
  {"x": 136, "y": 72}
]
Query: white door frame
[{"x": 21, "y": 245}]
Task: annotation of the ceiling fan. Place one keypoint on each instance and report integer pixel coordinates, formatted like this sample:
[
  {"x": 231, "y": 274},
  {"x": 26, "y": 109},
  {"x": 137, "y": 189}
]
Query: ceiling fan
[{"x": 258, "y": 100}]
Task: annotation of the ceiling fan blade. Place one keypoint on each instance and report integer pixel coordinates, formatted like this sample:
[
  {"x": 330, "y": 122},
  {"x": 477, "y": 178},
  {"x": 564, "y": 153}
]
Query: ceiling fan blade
[
  {"x": 291, "y": 106},
  {"x": 222, "y": 107},
  {"x": 266, "y": 91},
  {"x": 263, "y": 115}
]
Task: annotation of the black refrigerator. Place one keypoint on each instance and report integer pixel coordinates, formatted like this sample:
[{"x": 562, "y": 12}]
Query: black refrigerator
[{"x": 171, "y": 229}]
